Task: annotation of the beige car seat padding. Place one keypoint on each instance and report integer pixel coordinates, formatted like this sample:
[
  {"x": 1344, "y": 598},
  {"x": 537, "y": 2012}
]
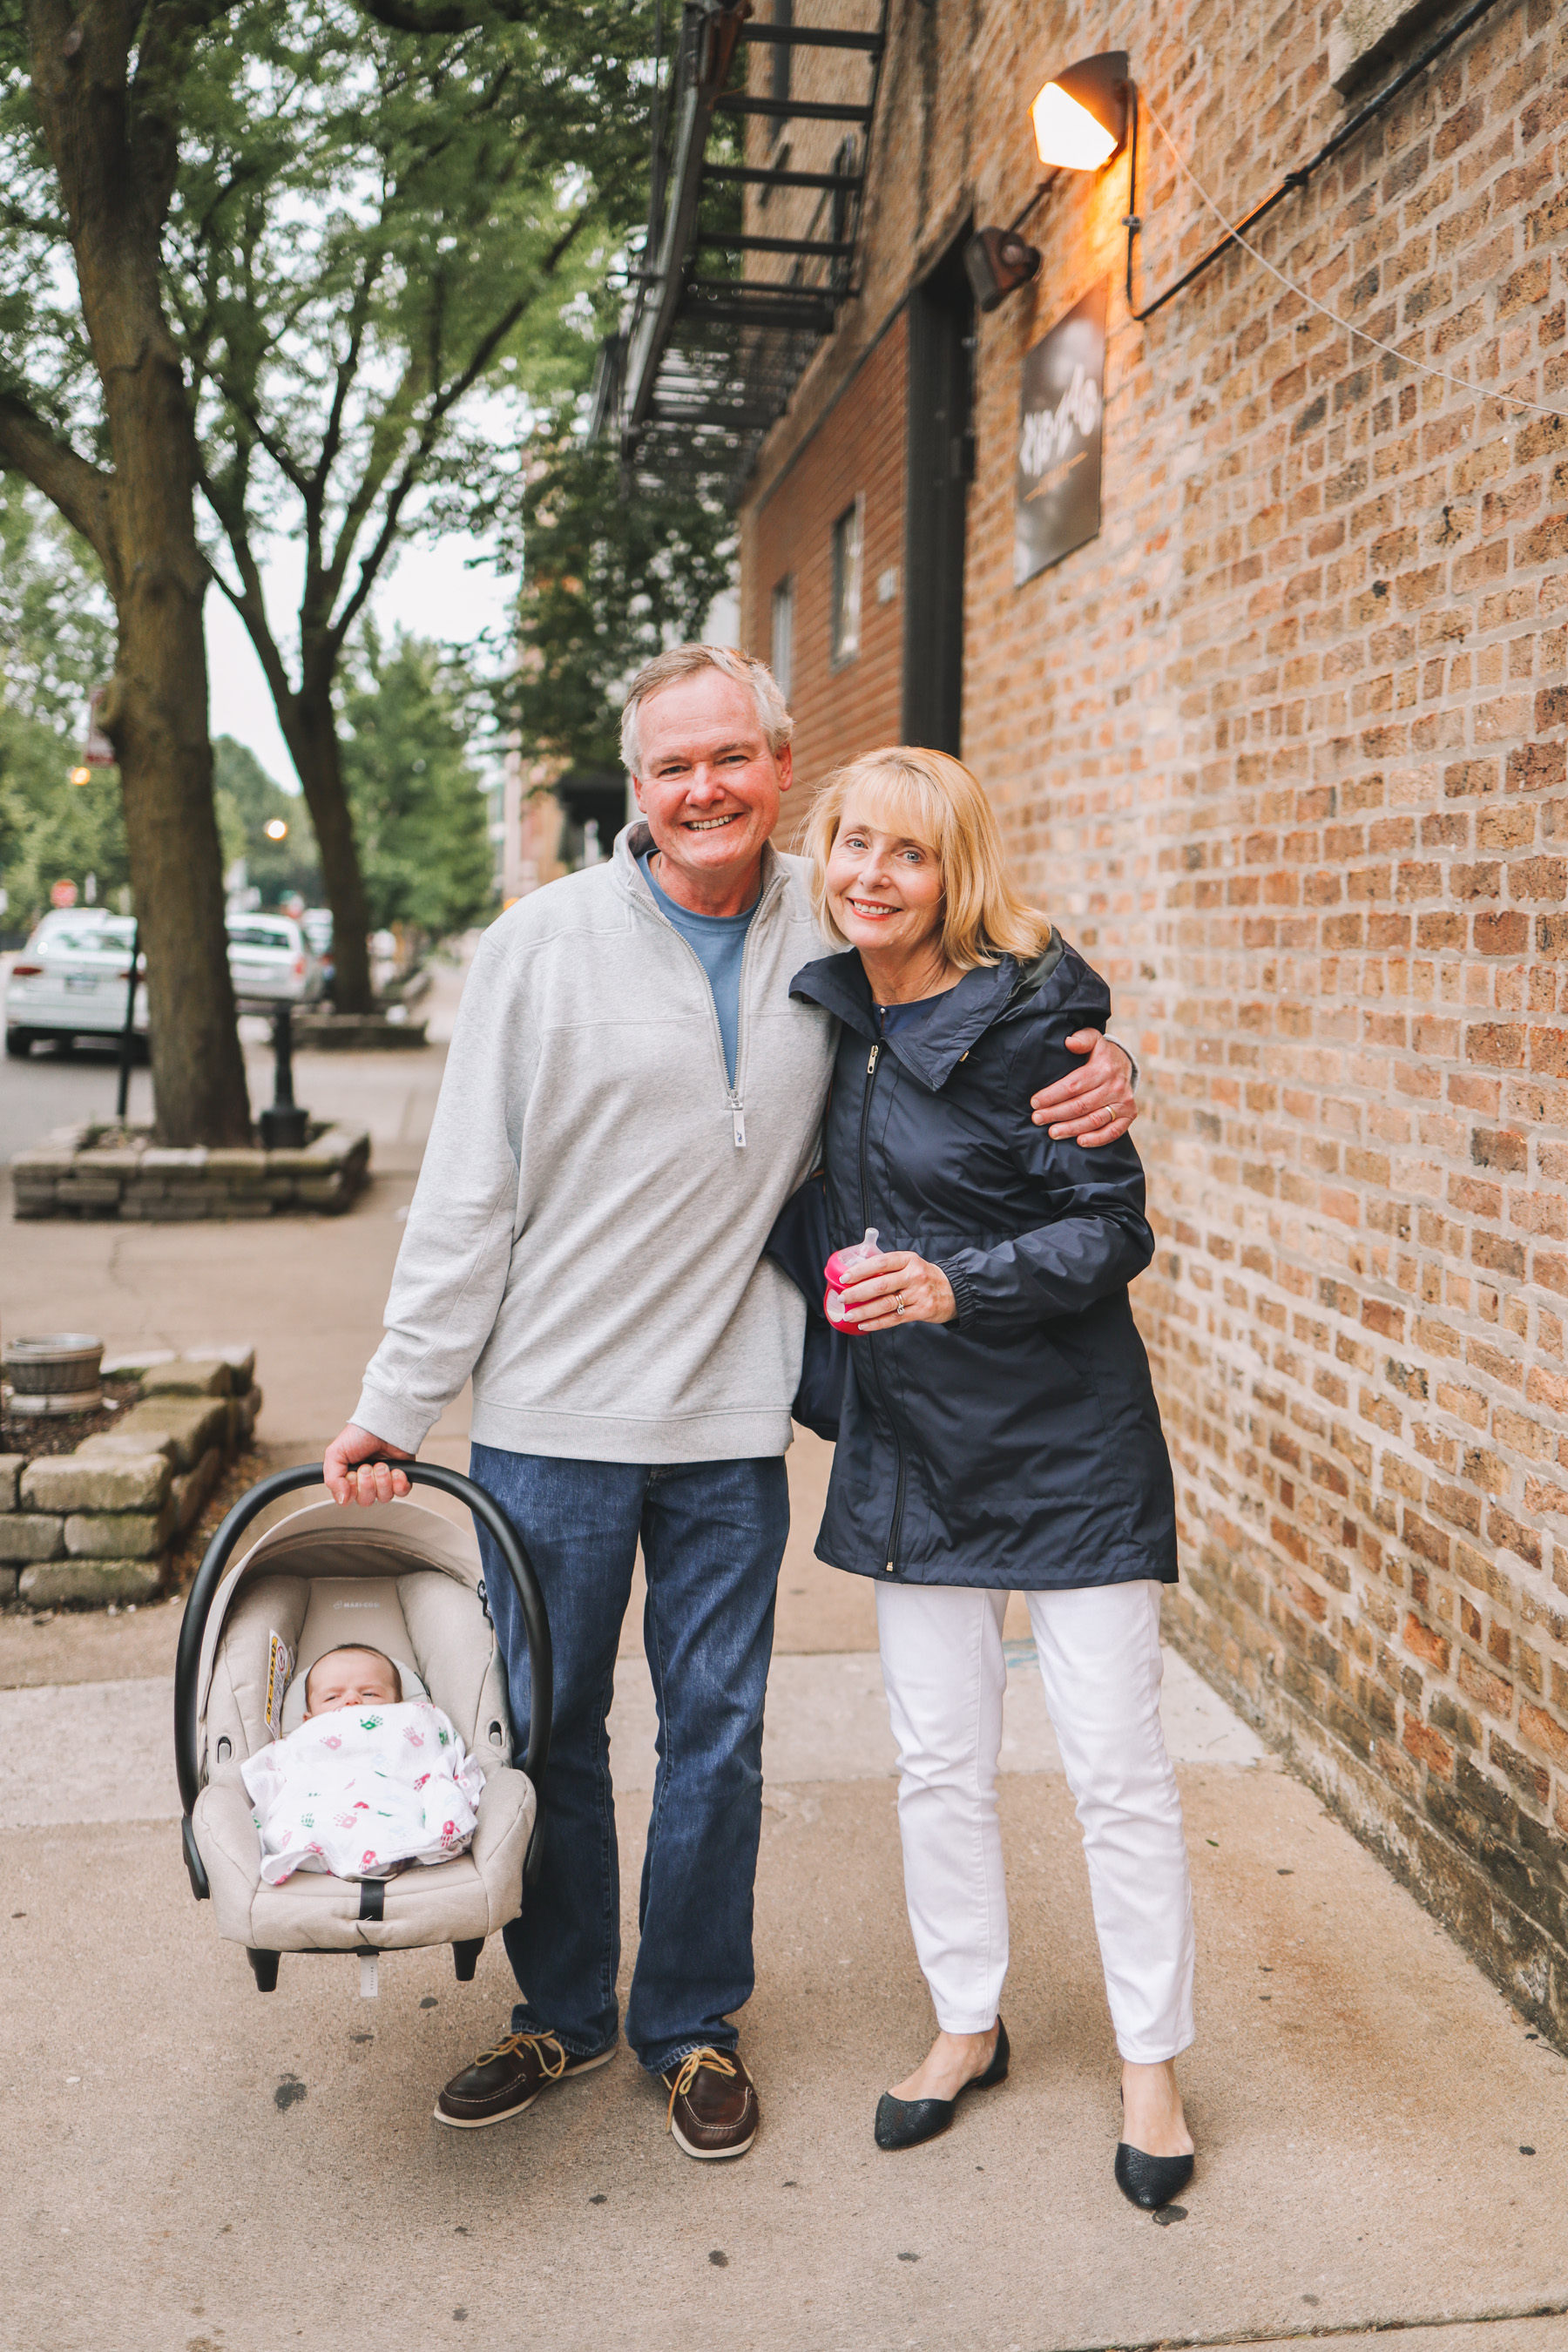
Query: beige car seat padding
[
  {"x": 422, "y": 1575},
  {"x": 386, "y": 1540},
  {"x": 344, "y": 1611},
  {"x": 234, "y": 1720},
  {"x": 474, "y": 1895}
]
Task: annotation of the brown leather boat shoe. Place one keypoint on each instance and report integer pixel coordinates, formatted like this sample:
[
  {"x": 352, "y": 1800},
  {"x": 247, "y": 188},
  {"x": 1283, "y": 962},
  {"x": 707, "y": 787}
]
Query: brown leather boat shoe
[
  {"x": 713, "y": 2109},
  {"x": 502, "y": 2082}
]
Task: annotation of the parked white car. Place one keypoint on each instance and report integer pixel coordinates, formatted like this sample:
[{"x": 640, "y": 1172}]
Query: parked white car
[
  {"x": 271, "y": 960},
  {"x": 71, "y": 981}
]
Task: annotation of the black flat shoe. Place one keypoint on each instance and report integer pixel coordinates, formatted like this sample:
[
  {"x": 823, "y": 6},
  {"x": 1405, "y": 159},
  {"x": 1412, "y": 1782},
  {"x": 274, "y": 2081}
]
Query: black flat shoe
[
  {"x": 905, "y": 2123},
  {"x": 1150, "y": 2182}
]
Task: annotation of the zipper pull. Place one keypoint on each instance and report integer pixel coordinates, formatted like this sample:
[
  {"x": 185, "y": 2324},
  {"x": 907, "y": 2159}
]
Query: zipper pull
[
  {"x": 872, "y": 1062},
  {"x": 738, "y": 1114}
]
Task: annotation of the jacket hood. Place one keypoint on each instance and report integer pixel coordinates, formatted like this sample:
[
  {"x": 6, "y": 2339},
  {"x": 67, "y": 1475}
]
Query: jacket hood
[{"x": 962, "y": 1016}]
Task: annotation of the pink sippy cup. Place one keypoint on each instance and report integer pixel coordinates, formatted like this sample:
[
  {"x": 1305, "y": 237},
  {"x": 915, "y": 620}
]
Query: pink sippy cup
[{"x": 840, "y": 1270}]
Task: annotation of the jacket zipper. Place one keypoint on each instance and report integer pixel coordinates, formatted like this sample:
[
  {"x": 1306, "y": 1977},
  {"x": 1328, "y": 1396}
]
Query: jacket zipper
[
  {"x": 889, "y": 1567},
  {"x": 731, "y": 1093},
  {"x": 737, "y": 1107}
]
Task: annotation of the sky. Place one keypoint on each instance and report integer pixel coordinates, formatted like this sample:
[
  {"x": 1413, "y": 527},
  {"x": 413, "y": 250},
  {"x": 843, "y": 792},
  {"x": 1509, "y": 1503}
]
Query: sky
[{"x": 431, "y": 592}]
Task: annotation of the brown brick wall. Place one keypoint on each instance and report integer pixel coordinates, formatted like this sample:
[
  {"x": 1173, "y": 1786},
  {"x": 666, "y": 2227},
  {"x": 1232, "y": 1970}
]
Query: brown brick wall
[
  {"x": 858, "y": 453},
  {"x": 1284, "y": 748}
]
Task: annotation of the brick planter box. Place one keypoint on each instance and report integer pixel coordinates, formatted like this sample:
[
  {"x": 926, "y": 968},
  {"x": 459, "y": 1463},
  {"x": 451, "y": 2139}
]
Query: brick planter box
[
  {"x": 95, "y": 1172},
  {"x": 95, "y": 1525}
]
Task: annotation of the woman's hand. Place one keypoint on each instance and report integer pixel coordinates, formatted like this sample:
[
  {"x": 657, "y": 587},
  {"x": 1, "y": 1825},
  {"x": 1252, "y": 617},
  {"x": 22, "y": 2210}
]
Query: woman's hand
[{"x": 898, "y": 1288}]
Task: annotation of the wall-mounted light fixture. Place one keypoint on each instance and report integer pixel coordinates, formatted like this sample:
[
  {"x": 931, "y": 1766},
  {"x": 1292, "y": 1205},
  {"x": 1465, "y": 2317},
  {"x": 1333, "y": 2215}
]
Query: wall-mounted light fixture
[
  {"x": 1080, "y": 115},
  {"x": 1087, "y": 113},
  {"x": 999, "y": 261},
  {"x": 1081, "y": 122}
]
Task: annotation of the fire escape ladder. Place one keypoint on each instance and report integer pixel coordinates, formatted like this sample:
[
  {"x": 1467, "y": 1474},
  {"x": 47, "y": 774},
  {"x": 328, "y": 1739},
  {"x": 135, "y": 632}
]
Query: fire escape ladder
[{"x": 711, "y": 344}]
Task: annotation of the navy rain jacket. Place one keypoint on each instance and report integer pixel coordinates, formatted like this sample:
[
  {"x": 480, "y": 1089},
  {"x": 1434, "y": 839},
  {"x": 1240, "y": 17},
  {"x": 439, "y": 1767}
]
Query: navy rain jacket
[{"x": 1019, "y": 1447}]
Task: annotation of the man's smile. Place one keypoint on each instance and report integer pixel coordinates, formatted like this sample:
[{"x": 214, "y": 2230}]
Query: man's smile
[{"x": 707, "y": 823}]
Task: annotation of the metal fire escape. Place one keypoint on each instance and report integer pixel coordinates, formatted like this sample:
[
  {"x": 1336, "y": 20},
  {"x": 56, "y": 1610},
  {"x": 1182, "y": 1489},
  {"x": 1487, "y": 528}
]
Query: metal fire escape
[{"x": 713, "y": 340}]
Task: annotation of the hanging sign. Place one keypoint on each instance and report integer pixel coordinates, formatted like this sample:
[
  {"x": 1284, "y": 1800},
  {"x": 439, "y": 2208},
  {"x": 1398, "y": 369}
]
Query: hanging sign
[{"x": 1057, "y": 506}]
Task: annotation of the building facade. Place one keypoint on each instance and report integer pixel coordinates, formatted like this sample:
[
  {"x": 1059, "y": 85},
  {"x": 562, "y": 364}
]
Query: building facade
[{"x": 1281, "y": 743}]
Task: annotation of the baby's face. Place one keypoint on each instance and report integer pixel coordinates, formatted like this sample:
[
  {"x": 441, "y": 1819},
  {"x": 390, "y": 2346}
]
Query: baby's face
[{"x": 349, "y": 1678}]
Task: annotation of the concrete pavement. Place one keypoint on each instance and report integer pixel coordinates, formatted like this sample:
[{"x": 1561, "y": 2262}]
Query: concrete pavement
[{"x": 191, "y": 2164}]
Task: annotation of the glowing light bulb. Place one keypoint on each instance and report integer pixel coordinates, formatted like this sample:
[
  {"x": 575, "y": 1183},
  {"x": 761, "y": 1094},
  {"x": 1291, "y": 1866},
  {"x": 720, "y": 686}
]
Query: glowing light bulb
[
  {"x": 1066, "y": 133},
  {"x": 277, "y": 828},
  {"x": 81, "y": 775}
]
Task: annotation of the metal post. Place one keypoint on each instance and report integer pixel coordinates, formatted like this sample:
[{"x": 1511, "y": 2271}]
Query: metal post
[
  {"x": 285, "y": 1126},
  {"x": 127, "y": 1034},
  {"x": 283, "y": 1056}
]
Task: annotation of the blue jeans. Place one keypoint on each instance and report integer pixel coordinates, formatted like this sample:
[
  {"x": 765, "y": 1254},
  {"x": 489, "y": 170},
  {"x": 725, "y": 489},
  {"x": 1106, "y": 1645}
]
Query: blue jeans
[{"x": 713, "y": 1538}]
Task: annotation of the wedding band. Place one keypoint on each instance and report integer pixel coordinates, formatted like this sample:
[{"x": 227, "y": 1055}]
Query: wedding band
[{"x": 901, "y": 1302}]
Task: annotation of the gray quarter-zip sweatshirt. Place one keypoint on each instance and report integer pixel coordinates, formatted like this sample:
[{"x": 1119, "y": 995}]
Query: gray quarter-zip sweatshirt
[{"x": 586, "y": 1233}]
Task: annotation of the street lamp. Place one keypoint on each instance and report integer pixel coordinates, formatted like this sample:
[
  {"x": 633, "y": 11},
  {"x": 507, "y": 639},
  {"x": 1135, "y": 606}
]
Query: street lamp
[
  {"x": 1080, "y": 121},
  {"x": 277, "y": 828}
]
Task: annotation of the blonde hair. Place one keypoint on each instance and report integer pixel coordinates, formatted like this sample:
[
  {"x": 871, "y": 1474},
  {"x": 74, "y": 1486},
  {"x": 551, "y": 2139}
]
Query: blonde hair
[
  {"x": 936, "y": 800},
  {"x": 681, "y": 661}
]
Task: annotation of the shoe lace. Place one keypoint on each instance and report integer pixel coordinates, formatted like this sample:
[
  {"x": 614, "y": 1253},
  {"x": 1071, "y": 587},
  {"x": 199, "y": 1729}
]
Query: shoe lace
[
  {"x": 687, "y": 2071},
  {"x": 513, "y": 2045}
]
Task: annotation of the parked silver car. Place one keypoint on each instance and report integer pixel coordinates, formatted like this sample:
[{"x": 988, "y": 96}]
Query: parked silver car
[
  {"x": 272, "y": 962},
  {"x": 71, "y": 981}
]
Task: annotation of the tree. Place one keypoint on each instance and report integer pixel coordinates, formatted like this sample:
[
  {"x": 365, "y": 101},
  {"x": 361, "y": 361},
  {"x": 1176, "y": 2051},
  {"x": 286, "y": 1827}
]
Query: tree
[
  {"x": 248, "y": 801},
  {"x": 355, "y": 217},
  {"x": 419, "y": 804},
  {"x": 56, "y": 642},
  {"x": 386, "y": 255},
  {"x": 94, "y": 410},
  {"x": 613, "y": 573}
]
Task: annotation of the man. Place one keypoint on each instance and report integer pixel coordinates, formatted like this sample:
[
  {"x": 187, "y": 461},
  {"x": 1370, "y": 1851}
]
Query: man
[{"x": 629, "y": 1097}]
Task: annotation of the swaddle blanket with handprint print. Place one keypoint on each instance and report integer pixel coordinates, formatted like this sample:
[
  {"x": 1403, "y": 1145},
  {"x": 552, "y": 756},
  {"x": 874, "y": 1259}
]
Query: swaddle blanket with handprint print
[{"x": 361, "y": 1792}]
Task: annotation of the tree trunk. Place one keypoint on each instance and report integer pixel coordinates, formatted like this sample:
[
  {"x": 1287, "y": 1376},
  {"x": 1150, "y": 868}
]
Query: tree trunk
[
  {"x": 116, "y": 178},
  {"x": 311, "y": 729}
]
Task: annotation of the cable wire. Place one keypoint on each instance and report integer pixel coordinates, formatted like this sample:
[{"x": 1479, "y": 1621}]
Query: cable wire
[{"x": 1441, "y": 374}]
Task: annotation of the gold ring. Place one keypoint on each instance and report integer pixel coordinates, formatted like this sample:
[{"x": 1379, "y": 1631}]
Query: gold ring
[{"x": 901, "y": 1302}]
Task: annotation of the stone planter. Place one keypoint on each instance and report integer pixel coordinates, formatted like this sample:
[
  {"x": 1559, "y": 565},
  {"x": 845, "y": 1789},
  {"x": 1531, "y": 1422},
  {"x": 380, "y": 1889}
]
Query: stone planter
[
  {"x": 54, "y": 1374},
  {"x": 96, "y": 1526},
  {"x": 88, "y": 1171},
  {"x": 356, "y": 1032}
]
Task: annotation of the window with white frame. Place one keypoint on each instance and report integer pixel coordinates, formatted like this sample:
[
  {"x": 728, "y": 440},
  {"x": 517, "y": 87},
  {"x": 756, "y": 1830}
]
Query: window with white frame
[
  {"x": 848, "y": 535},
  {"x": 782, "y": 648}
]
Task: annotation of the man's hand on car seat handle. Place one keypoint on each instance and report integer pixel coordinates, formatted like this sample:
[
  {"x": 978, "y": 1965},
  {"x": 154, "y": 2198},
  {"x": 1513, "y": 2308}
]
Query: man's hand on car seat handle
[{"x": 355, "y": 1467}]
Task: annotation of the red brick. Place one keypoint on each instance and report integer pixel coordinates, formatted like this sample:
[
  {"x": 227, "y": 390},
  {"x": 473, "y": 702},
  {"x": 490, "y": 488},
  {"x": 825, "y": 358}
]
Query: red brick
[
  {"x": 1283, "y": 750},
  {"x": 1544, "y": 1731}
]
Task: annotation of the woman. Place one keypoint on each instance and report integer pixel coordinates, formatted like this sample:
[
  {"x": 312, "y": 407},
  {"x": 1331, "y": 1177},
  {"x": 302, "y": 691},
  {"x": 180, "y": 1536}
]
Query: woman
[{"x": 999, "y": 1432}]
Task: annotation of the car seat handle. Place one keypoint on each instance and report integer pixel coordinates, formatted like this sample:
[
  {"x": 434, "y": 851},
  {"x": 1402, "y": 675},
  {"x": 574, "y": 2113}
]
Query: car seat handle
[{"x": 210, "y": 1575}]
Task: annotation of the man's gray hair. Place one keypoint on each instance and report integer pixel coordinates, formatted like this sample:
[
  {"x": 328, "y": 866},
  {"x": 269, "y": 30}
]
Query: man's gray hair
[{"x": 690, "y": 661}]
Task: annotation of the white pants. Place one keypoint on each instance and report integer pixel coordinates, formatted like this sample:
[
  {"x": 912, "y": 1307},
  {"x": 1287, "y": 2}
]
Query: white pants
[{"x": 944, "y": 1672}]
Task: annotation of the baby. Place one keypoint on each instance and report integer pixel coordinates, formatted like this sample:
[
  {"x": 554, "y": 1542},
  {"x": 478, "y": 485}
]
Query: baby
[
  {"x": 351, "y": 1677},
  {"x": 369, "y": 1783}
]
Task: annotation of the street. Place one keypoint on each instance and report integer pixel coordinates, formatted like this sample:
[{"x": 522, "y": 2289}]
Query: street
[{"x": 50, "y": 1089}]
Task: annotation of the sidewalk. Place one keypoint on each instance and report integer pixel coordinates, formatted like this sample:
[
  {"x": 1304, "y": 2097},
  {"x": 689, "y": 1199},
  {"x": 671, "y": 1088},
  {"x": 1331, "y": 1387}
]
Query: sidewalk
[{"x": 193, "y": 2165}]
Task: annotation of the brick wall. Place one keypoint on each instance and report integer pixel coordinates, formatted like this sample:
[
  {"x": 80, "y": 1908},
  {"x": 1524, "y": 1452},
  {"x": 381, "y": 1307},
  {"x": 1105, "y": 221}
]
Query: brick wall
[
  {"x": 1284, "y": 750},
  {"x": 788, "y": 534}
]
